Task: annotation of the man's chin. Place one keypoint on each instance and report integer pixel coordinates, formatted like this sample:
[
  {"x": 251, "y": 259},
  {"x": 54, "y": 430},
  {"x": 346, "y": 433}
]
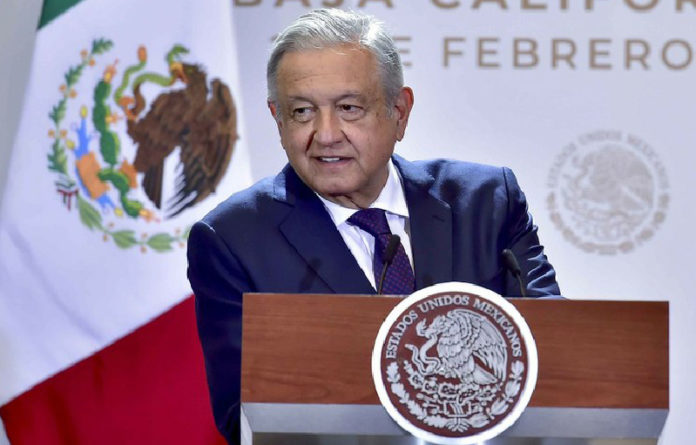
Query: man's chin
[
  {"x": 332, "y": 186},
  {"x": 334, "y": 195},
  {"x": 348, "y": 199}
]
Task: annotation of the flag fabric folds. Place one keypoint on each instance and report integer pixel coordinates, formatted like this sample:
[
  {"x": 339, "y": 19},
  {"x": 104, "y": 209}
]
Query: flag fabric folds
[
  {"x": 148, "y": 387},
  {"x": 129, "y": 133}
]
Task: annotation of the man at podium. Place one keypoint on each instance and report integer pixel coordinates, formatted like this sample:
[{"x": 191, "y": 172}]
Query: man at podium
[{"x": 325, "y": 222}]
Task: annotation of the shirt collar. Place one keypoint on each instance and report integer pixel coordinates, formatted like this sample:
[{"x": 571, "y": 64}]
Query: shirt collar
[{"x": 391, "y": 199}]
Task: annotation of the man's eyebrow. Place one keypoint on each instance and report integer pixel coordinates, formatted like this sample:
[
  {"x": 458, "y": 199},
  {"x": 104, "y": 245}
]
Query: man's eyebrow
[
  {"x": 347, "y": 95},
  {"x": 298, "y": 99},
  {"x": 351, "y": 95}
]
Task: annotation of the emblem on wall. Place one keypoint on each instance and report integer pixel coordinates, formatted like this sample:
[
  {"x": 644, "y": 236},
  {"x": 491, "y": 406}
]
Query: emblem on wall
[
  {"x": 608, "y": 192},
  {"x": 114, "y": 134},
  {"x": 454, "y": 363}
]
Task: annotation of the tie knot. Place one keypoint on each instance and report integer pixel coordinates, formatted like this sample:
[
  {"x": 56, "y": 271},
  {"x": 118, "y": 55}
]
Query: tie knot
[{"x": 373, "y": 221}]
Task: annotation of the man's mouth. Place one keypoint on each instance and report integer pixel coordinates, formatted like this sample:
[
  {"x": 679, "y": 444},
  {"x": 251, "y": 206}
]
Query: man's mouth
[{"x": 330, "y": 159}]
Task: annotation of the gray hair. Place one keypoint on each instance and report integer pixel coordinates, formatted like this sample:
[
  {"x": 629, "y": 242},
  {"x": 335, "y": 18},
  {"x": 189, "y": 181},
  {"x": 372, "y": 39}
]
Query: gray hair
[{"x": 324, "y": 28}]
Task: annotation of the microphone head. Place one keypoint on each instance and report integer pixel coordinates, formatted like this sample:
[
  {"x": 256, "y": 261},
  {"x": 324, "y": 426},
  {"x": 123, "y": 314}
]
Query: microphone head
[
  {"x": 510, "y": 261},
  {"x": 390, "y": 250}
]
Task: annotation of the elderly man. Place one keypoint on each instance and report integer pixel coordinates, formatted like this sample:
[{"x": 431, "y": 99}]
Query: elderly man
[{"x": 322, "y": 224}]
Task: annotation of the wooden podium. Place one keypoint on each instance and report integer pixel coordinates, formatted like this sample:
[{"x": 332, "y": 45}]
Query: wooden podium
[{"x": 603, "y": 372}]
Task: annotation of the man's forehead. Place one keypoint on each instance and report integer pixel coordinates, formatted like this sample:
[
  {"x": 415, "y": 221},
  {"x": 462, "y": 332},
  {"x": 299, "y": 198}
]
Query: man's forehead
[
  {"x": 324, "y": 59},
  {"x": 342, "y": 49},
  {"x": 330, "y": 74}
]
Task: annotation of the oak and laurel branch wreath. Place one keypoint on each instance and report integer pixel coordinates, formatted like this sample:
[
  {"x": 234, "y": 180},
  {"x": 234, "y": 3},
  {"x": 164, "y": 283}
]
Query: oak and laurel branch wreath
[
  {"x": 479, "y": 420},
  {"x": 67, "y": 186}
]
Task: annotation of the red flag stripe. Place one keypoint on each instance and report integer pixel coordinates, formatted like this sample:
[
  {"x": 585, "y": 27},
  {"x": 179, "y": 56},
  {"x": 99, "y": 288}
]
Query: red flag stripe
[{"x": 148, "y": 387}]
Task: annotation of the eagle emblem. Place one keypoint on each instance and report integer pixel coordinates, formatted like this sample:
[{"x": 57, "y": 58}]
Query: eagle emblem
[
  {"x": 469, "y": 348},
  {"x": 454, "y": 361},
  {"x": 146, "y": 144},
  {"x": 608, "y": 192}
]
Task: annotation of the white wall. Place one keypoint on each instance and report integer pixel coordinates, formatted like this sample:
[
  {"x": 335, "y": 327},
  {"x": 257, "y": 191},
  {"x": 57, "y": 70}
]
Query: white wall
[{"x": 18, "y": 19}]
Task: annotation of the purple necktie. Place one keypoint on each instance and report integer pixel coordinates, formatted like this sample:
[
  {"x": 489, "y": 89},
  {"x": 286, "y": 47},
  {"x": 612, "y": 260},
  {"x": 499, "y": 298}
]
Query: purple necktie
[{"x": 399, "y": 279}]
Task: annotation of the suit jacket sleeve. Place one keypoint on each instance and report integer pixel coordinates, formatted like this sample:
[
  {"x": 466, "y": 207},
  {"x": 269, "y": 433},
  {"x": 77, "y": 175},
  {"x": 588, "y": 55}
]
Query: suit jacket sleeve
[
  {"x": 218, "y": 281},
  {"x": 520, "y": 235}
]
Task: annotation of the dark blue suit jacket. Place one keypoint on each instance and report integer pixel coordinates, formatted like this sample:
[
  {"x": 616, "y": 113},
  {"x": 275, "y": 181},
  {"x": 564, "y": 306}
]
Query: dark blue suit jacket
[{"x": 277, "y": 237}]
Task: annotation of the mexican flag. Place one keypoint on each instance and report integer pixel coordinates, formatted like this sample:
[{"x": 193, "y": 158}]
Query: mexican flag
[{"x": 130, "y": 132}]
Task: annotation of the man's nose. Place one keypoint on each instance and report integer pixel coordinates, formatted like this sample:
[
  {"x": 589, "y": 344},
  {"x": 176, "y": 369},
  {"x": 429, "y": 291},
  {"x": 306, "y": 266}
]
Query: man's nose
[{"x": 328, "y": 130}]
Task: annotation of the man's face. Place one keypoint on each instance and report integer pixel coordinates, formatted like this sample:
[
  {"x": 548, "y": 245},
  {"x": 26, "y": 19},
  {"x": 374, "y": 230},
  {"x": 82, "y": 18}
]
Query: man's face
[{"x": 334, "y": 123}]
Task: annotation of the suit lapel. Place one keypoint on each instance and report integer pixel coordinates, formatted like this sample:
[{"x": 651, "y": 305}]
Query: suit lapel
[
  {"x": 430, "y": 222},
  {"x": 310, "y": 230}
]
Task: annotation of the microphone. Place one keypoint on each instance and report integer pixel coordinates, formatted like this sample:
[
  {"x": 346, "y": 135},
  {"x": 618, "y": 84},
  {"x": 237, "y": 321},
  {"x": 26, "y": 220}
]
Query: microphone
[
  {"x": 387, "y": 258},
  {"x": 513, "y": 266}
]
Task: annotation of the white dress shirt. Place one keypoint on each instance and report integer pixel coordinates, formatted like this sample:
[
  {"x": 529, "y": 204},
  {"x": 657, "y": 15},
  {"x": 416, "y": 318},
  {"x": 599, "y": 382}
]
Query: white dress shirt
[{"x": 361, "y": 243}]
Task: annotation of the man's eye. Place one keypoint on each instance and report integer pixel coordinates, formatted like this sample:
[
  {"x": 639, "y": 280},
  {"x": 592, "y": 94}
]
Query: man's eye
[
  {"x": 302, "y": 114},
  {"x": 350, "y": 111}
]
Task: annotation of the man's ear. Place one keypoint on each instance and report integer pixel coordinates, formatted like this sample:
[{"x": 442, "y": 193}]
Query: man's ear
[
  {"x": 402, "y": 108},
  {"x": 273, "y": 107}
]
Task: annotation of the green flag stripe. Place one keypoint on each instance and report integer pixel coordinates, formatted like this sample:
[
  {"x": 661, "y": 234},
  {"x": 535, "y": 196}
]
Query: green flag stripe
[{"x": 54, "y": 8}]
